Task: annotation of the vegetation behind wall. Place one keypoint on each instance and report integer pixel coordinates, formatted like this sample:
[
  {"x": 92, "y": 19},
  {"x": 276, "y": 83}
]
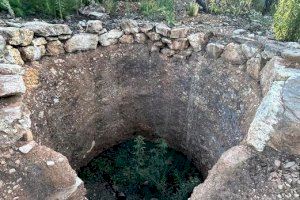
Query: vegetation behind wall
[{"x": 287, "y": 20}]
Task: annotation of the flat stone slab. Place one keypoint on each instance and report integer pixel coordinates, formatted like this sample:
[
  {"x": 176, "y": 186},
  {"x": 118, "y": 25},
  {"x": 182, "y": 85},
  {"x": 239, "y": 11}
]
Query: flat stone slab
[{"x": 45, "y": 29}]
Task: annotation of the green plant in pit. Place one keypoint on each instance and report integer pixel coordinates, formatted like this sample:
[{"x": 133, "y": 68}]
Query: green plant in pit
[
  {"x": 145, "y": 170},
  {"x": 192, "y": 9},
  {"x": 287, "y": 20}
]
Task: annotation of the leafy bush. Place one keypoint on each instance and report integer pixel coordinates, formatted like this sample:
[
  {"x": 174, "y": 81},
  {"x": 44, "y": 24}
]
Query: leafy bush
[
  {"x": 144, "y": 170},
  {"x": 287, "y": 20},
  {"x": 193, "y": 9}
]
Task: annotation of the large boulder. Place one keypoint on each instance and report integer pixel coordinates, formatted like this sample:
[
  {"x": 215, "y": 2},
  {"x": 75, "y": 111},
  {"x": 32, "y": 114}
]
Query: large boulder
[
  {"x": 38, "y": 173},
  {"x": 233, "y": 53},
  {"x": 45, "y": 29},
  {"x": 199, "y": 40},
  {"x": 277, "y": 120},
  {"x": 31, "y": 53},
  {"x": 81, "y": 42}
]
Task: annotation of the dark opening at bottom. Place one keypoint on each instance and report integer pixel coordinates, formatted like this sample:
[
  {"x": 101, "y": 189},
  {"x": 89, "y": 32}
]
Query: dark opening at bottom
[{"x": 140, "y": 169}]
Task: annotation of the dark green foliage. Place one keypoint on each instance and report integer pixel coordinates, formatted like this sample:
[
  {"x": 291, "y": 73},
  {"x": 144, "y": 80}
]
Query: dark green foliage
[
  {"x": 144, "y": 170},
  {"x": 287, "y": 20},
  {"x": 45, "y": 8}
]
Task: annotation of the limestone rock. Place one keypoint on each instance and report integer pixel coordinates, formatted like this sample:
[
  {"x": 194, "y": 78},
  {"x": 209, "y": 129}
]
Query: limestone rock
[
  {"x": 168, "y": 52},
  {"x": 214, "y": 50},
  {"x": 277, "y": 120},
  {"x": 126, "y": 39},
  {"x": 250, "y": 49},
  {"x": 17, "y": 36},
  {"x": 39, "y": 41},
  {"x": 179, "y": 44},
  {"x": 274, "y": 70},
  {"x": 111, "y": 37},
  {"x": 13, "y": 55},
  {"x": 163, "y": 30},
  {"x": 11, "y": 85},
  {"x": 153, "y": 36},
  {"x": 254, "y": 65},
  {"x": 233, "y": 54},
  {"x": 140, "y": 37},
  {"x": 2, "y": 43},
  {"x": 13, "y": 122},
  {"x": 94, "y": 26},
  {"x": 33, "y": 52},
  {"x": 129, "y": 26},
  {"x": 146, "y": 27},
  {"x": 199, "y": 40},
  {"x": 180, "y": 32},
  {"x": 55, "y": 48},
  {"x": 95, "y": 11},
  {"x": 11, "y": 69},
  {"x": 291, "y": 54},
  {"x": 45, "y": 29},
  {"x": 81, "y": 42}
]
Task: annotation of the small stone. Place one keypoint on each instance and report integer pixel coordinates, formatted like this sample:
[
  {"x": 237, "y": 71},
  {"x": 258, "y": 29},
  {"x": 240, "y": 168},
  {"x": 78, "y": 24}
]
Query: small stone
[
  {"x": 94, "y": 26},
  {"x": 17, "y": 162},
  {"x": 28, "y": 136},
  {"x": 11, "y": 69},
  {"x": 146, "y": 27},
  {"x": 82, "y": 42},
  {"x": 214, "y": 50},
  {"x": 254, "y": 66},
  {"x": 250, "y": 49},
  {"x": 153, "y": 36},
  {"x": 11, "y": 171},
  {"x": 129, "y": 26},
  {"x": 233, "y": 54},
  {"x": 280, "y": 187},
  {"x": 291, "y": 54},
  {"x": 32, "y": 53},
  {"x": 163, "y": 29},
  {"x": 168, "y": 52},
  {"x": 111, "y": 37},
  {"x": 289, "y": 165},
  {"x": 50, "y": 163},
  {"x": 13, "y": 56},
  {"x": 199, "y": 40},
  {"x": 179, "y": 44},
  {"x": 55, "y": 48},
  {"x": 277, "y": 163},
  {"x": 39, "y": 41},
  {"x": 2, "y": 43},
  {"x": 11, "y": 85},
  {"x": 166, "y": 41},
  {"x": 126, "y": 39},
  {"x": 140, "y": 37},
  {"x": 239, "y": 31},
  {"x": 179, "y": 32},
  {"x": 27, "y": 148},
  {"x": 17, "y": 36}
]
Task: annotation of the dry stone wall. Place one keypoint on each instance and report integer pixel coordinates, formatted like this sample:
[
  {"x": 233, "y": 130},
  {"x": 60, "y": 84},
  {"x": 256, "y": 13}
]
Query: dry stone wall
[{"x": 29, "y": 170}]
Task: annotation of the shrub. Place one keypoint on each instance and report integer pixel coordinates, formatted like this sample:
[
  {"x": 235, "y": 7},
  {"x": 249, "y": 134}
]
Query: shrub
[
  {"x": 144, "y": 170},
  {"x": 193, "y": 9},
  {"x": 287, "y": 20}
]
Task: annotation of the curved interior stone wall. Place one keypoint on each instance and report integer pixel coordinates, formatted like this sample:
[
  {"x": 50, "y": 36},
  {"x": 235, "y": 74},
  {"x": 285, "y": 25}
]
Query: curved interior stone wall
[{"x": 86, "y": 102}]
